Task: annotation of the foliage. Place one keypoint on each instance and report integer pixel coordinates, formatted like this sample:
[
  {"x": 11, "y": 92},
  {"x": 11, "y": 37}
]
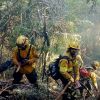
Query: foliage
[{"x": 64, "y": 18}]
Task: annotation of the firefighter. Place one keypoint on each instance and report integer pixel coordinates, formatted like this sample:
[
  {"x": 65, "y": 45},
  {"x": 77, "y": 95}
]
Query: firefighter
[
  {"x": 88, "y": 75},
  {"x": 70, "y": 67},
  {"x": 95, "y": 65},
  {"x": 25, "y": 58}
]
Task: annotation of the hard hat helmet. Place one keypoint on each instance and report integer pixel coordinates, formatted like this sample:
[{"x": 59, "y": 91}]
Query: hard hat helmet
[
  {"x": 95, "y": 64},
  {"x": 22, "y": 41},
  {"x": 74, "y": 45},
  {"x": 73, "y": 49},
  {"x": 84, "y": 72}
]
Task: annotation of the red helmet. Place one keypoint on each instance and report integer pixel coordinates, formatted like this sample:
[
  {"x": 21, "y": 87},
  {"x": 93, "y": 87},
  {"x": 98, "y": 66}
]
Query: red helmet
[{"x": 84, "y": 72}]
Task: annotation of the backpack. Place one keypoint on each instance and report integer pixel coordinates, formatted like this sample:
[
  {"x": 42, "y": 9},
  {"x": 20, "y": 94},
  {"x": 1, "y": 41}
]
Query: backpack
[{"x": 54, "y": 68}]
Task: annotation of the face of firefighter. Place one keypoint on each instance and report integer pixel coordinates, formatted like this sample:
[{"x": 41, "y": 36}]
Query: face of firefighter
[
  {"x": 74, "y": 52},
  {"x": 21, "y": 46},
  {"x": 95, "y": 67}
]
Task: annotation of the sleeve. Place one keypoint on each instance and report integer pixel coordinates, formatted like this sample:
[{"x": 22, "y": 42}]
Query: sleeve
[
  {"x": 93, "y": 79},
  {"x": 14, "y": 56},
  {"x": 76, "y": 70},
  {"x": 63, "y": 64},
  {"x": 79, "y": 59}
]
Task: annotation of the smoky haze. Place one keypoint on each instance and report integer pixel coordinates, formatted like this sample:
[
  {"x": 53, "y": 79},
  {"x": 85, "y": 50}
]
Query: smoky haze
[{"x": 87, "y": 20}]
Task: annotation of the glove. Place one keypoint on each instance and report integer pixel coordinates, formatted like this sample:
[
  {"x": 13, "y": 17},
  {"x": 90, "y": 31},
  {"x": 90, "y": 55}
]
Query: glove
[
  {"x": 77, "y": 78},
  {"x": 71, "y": 79}
]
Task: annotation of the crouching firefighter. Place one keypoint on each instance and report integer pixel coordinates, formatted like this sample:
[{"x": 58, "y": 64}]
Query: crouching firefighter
[
  {"x": 88, "y": 76},
  {"x": 95, "y": 65},
  {"x": 69, "y": 68},
  {"x": 25, "y": 57}
]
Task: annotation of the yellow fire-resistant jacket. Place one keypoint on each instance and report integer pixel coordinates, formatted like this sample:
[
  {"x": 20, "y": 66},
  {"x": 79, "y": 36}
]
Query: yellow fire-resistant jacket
[
  {"x": 28, "y": 68},
  {"x": 71, "y": 66}
]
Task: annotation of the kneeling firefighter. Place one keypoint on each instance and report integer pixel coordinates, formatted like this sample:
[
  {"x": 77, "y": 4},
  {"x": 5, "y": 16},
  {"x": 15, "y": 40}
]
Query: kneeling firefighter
[
  {"x": 69, "y": 68},
  {"x": 92, "y": 74},
  {"x": 88, "y": 76},
  {"x": 25, "y": 57}
]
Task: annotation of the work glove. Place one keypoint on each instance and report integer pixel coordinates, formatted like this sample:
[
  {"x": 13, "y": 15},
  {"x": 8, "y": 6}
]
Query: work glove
[
  {"x": 77, "y": 78},
  {"x": 72, "y": 79}
]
